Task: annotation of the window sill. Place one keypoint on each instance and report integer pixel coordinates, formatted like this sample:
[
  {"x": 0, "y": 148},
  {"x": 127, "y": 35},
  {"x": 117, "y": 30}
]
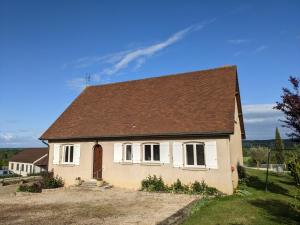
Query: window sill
[
  {"x": 126, "y": 163},
  {"x": 151, "y": 163},
  {"x": 195, "y": 168},
  {"x": 67, "y": 164}
]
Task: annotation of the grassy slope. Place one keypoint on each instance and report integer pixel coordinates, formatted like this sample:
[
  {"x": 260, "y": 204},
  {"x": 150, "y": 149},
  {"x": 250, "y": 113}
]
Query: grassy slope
[{"x": 259, "y": 207}]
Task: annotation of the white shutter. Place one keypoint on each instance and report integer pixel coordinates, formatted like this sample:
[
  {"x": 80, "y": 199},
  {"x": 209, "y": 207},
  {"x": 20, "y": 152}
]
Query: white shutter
[
  {"x": 211, "y": 160},
  {"x": 136, "y": 152},
  {"x": 177, "y": 154},
  {"x": 164, "y": 152},
  {"x": 76, "y": 159},
  {"x": 56, "y": 148},
  {"x": 118, "y": 152}
]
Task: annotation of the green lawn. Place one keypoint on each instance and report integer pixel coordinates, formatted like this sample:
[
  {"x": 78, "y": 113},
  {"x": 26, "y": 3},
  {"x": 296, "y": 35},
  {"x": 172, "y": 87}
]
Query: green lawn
[{"x": 257, "y": 207}]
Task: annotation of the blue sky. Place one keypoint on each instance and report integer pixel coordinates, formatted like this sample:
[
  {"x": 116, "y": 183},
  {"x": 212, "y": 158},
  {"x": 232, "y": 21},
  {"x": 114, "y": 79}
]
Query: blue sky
[{"x": 47, "y": 48}]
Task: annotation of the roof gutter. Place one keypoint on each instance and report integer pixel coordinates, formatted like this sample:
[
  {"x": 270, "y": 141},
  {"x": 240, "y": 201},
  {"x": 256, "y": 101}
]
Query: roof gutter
[{"x": 139, "y": 136}]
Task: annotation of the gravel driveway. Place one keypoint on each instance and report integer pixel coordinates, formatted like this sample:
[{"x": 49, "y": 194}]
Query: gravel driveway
[{"x": 77, "y": 206}]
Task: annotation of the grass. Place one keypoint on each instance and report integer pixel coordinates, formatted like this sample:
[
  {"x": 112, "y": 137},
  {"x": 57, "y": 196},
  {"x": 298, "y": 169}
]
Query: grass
[{"x": 253, "y": 205}]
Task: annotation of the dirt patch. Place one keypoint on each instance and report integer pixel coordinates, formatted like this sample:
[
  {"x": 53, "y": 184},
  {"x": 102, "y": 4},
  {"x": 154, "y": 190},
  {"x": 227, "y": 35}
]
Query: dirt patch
[{"x": 67, "y": 206}]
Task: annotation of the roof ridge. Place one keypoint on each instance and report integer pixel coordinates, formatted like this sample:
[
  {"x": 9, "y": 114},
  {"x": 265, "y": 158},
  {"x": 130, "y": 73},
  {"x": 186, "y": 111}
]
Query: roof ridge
[{"x": 164, "y": 76}]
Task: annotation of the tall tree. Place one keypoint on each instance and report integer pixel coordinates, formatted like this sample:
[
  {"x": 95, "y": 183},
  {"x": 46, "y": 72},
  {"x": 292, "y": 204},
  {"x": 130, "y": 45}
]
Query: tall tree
[
  {"x": 290, "y": 106},
  {"x": 279, "y": 147}
]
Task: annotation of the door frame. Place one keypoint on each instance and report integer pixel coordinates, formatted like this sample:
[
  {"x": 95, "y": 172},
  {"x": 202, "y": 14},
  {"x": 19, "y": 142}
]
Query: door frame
[{"x": 101, "y": 162}]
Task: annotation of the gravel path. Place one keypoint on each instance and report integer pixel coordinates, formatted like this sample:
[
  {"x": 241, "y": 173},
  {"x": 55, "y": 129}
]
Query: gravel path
[{"x": 76, "y": 206}]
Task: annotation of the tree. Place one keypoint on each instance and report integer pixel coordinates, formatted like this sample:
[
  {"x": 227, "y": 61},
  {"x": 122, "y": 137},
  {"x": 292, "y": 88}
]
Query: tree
[
  {"x": 259, "y": 154},
  {"x": 290, "y": 106},
  {"x": 278, "y": 147}
]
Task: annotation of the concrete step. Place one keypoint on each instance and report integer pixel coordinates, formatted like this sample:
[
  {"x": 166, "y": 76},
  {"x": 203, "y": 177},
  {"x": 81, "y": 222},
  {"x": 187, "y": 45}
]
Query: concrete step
[{"x": 93, "y": 184}]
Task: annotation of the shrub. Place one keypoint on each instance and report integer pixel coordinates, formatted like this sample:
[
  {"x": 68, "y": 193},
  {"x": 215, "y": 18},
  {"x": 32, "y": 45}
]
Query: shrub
[
  {"x": 178, "y": 187},
  {"x": 52, "y": 182},
  {"x": 152, "y": 183},
  {"x": 197, "y": 187},
  {"x": 35, "y": 187}
]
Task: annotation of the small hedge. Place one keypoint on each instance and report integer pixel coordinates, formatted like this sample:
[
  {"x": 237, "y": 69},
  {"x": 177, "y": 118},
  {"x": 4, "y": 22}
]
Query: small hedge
[
  {"x": 35, "y": 187},
  {"x": 48, "y": 182},
  {"x": 156, "y": 184}
]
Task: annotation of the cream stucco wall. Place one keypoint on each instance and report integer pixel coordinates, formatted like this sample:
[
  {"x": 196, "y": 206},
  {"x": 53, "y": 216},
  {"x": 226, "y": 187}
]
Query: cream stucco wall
[
  {"x": 24, "y": 172},
  {"x": 130, "y": 175},
  {"x": 235, "y": 147}
]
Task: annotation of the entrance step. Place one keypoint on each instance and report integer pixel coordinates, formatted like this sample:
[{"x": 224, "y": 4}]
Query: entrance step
[{"x": 93, "y": 185}]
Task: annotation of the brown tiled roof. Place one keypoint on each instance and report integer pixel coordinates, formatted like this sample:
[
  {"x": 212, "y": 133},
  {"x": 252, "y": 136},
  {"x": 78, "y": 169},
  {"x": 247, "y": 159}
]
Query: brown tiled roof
[
  {"x": 200, "y": 102},
  {"x": 29, "y": 155},
  {"x": 43, "y": 161}
]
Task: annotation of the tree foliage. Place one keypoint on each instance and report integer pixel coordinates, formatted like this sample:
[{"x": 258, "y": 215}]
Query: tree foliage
[
  {"x": 279, "y": 147},
  {"x": 259, "y": 154},
  {"x": 290, "y": 106}
]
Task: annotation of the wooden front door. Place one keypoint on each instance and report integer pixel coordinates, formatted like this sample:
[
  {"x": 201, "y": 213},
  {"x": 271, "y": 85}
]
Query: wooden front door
[{"x": 97, "y": 166}]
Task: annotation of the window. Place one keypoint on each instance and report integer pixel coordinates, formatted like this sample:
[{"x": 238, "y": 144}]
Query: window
[
  {"x": 151, "y": 153},
  {"x": 68, "y": 152},
  {"x": 128, "y": 152},
  {"x": 26, "y": 168},
  {"x": 17, "y": 166},
  {"x": 194, "y": 154},
  {"x": 12, "y": 166},
  {"x": 22, "y": 167},
  {"x": 30, "y": 169}
]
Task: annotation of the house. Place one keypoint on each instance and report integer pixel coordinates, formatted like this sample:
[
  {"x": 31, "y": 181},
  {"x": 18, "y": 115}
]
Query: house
[
  {"x": 187, "y": 126},
  {"x": 29, "y": 160}
]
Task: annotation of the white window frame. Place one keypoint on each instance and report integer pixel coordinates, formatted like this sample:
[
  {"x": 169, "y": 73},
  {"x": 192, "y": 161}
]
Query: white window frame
[
  {"x": 195, "y": 154},
  {"x": 63, "y": 154},
  {"x": 124, "y": 152},
  {"x": 152, "y": 155}
]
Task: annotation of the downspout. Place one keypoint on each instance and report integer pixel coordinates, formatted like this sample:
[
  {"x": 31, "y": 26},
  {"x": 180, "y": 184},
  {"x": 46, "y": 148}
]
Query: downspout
[{"x": 44, "y": 142}]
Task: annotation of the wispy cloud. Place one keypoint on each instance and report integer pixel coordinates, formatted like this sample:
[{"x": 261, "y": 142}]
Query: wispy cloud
[
  {"x": 260, "y": 49},
  {"x": 140, "y": 55},
  {"x": 136, "y": 57},
  {"x": 261, "y": 121},
  {"x": 238, "y": 41}
]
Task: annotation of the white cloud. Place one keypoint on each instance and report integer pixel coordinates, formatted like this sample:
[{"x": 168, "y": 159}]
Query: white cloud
[
  {"x": 137, "y": 56},
  {"x": 140, "y": 55},
  {"x": 238, "y": 41},
  {"x": 260, "y": 49},
  {"x": 261, "y": 120},
  {"x": 6, "y": 137}
]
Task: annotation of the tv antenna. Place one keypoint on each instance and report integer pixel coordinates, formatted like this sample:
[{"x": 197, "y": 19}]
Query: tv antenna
[{"x": 87, "y": 79}]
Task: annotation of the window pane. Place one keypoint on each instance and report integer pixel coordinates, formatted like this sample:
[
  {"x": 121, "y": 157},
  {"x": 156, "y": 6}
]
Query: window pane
[
  {"x": 156, "y": 153},
  {"x": 22, "y": 167},
  {"x": 147, "y": 152},
  {"x": 200, "y": 154},
  {"x": 26, "y": 168},
  {"x": 67, "y": 154},
  {"x": 190, "y": 154},
  {"x": 17, "y": 166},
  {"x": 71, "y": 153},
  {"x": 12, "y": 166},
  {"x": 128, "y": 152}
]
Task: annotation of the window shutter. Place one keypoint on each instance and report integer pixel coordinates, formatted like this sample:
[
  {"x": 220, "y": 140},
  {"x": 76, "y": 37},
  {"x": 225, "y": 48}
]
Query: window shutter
[
  {"x": 164, "y": 152},
  {"x": 211, "y": 160},
  {"x": 56, "y": 148},
  {"x": 118, "y": 152},
  {"x": 177, "y": 154},
  {"x": 136, "y": 153},
  {"x": 76, "y": 159}
]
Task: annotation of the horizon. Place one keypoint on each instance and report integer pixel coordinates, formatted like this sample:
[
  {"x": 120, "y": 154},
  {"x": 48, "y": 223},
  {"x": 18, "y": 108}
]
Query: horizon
[{"x": 48, "y": 49}]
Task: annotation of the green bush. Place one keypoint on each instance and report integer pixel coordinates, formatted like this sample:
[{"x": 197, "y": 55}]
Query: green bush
[
  {"x": 49, "y": 181},
  {"x": 35, "y": 187},
  {"x": 178, "y": 187},
  {"x": 153, "y": 184}
]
